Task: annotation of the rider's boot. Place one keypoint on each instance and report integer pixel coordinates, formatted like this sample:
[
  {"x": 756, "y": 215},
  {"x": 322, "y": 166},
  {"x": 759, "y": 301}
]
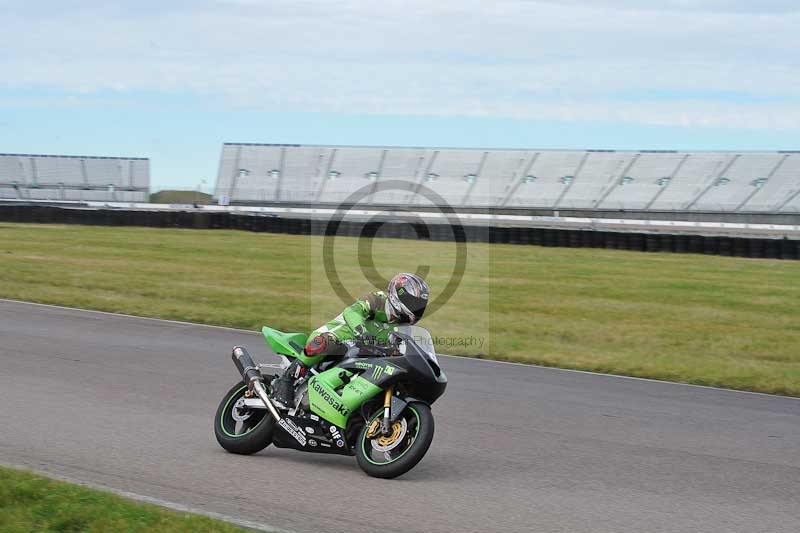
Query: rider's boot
[{"x": 283, "y": 387}]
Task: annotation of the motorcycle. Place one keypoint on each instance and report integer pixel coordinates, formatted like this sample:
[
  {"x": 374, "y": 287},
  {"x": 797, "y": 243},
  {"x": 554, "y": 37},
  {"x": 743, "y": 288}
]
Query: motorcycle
[{"x": 374, "y": 403}]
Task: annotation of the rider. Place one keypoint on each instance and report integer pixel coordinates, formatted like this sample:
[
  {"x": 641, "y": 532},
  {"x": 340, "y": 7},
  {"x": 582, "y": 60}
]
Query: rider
[{"x": 368, "y": 319}]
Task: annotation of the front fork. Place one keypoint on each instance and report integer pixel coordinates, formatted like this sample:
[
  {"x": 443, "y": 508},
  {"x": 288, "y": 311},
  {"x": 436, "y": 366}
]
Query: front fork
[{"x": 386, "y": 429}]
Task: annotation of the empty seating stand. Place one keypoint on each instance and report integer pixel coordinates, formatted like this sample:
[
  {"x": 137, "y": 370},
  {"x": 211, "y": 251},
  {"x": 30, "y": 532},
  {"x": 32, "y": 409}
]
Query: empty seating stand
[
  {"x": 74, "y": 178},
  {"x": 492, "y": 179}
]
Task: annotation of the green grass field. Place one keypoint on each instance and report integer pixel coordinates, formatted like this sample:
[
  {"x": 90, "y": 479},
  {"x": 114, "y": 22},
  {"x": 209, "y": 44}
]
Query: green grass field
[
  {"x": 721, "y": 321},
  {"x": 180, "y": 197},
  {"x": 30, "y": 502}
]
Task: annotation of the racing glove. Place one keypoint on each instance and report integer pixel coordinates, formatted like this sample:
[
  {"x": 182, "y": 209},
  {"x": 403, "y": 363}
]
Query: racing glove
[{"x": 364, "y": 336}]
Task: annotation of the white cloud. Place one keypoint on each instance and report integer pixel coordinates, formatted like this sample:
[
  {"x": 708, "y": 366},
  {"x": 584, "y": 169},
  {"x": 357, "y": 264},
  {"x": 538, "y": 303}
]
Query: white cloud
[
  {"x": 679, "y": 62},
  {"x": 713, "y": 6}
]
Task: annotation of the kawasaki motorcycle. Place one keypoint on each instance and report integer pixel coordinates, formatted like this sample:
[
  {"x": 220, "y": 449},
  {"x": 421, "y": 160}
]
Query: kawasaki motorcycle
[{"x": 374, "y": 403}]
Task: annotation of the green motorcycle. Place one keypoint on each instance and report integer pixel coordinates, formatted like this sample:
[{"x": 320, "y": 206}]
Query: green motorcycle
[{"x": 373, "y": 403}]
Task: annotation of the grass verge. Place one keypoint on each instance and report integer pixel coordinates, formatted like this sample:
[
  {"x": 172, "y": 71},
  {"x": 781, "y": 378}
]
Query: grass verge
[
  {"x": 720, "y": 321},
  {"x": 180, "y": 197},
  {"x": 31, "y": 502}
]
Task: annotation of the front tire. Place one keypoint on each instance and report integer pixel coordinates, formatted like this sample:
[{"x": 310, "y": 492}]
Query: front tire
[
  {"x": 242, "y": 431},
  {"x": 389, "y": 457}
]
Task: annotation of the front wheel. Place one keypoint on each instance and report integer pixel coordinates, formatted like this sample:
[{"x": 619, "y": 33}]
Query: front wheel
[
  {"x": 394, "y": 455},
  {"x": 239, "y": 429}
]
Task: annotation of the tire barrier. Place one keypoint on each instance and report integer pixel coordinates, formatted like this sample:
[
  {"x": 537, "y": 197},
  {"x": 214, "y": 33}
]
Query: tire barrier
[
  {"x": 646, "y": 242},
  {"x": 788, "y": 218}
]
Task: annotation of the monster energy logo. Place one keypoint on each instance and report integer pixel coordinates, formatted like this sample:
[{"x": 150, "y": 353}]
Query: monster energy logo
[{"x": 378, "y": 371}]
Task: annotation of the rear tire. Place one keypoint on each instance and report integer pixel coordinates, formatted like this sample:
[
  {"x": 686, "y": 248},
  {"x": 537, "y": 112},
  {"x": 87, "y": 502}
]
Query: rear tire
[
  {"x": 409, "y": 450},
  {"x": 242, "y": 437}
]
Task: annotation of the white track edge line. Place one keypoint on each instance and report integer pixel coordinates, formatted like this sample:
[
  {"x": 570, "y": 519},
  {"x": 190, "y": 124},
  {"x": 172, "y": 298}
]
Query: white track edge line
[
  {"x": 148, "y": 499},
  {"x": 463, "y": 357},
  {"x": 169, "y": 321}
]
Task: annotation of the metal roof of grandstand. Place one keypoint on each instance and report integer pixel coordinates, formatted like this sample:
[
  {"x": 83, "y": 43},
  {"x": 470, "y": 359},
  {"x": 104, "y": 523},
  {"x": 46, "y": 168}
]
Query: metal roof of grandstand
[
  {"x": 507, "y": 149},
  {"x": 78, "y": 156}
]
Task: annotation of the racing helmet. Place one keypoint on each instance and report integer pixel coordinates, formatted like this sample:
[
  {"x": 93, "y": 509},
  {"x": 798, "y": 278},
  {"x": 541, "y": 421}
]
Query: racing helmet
[{"x": 407, "y": 298}]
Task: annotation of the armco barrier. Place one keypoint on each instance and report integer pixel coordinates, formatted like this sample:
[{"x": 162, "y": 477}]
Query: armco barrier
[{"x": 650, "y": 242}]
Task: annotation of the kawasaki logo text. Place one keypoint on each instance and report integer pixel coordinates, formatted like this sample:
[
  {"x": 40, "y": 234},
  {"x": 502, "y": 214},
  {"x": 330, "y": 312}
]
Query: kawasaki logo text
[{"x": 331, "y": 400}]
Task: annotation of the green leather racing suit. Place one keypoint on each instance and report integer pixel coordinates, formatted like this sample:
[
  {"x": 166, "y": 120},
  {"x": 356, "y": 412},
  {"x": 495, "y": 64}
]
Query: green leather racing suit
[{"x": 365, "y": 317}]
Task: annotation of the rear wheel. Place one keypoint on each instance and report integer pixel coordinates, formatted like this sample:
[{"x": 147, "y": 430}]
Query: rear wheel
[
  {"x": 240, "y": 429},
  {"x": 394, "y": 455}
]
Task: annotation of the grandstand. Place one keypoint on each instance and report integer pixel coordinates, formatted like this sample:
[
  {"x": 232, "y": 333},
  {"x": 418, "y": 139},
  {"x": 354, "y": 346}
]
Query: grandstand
[
  {"x": 516, "y": 180},
  {"x": 727, "y": 203},
  {"x": 74, "y": 178}
]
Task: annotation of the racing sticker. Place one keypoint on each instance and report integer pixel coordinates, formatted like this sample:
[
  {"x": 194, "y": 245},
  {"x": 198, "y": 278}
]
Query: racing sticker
[
  {"x": 293, "y": 430},
  {"x": 359, "y": 387},
  {"x": 378, "y": 371}
]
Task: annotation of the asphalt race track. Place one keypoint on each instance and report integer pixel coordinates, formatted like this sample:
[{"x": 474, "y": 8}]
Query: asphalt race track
[{"x": 127, "y": 403}]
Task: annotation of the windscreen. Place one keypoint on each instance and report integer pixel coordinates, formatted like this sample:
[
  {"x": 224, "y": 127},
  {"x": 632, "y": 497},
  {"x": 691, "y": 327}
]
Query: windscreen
[{"x": 421, "y": 337}]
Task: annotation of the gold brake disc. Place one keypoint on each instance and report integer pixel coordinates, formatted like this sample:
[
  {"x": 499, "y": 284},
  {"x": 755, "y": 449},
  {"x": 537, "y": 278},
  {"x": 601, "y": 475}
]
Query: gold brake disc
[
  {"x": 373, "y": 428},
  {"x": 385, "y": 442},
  {"x": 397, "y": 429}
]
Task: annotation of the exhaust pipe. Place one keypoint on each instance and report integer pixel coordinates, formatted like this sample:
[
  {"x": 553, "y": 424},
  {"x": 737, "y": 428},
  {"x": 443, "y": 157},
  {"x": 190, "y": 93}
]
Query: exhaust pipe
[
  {"x": 252, "y": 376},
  {"x": 245, "y": 364}
]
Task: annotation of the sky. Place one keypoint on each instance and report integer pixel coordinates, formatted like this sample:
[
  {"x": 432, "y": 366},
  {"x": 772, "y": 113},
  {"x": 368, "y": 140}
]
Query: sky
[{"x": 173, "y": 80}]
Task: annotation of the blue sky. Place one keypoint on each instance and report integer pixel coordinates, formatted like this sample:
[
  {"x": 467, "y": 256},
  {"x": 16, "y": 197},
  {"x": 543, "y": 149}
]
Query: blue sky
[{"x": 172, "y": 81}]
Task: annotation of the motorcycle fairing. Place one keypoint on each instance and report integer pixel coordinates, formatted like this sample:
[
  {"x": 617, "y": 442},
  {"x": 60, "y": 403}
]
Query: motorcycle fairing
[
  {"x": 338, "y": 392},
  {"x": 290, "y": 345},
  {"x": 310, "y": 434},
  {"x": 335, "y": 394}
]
